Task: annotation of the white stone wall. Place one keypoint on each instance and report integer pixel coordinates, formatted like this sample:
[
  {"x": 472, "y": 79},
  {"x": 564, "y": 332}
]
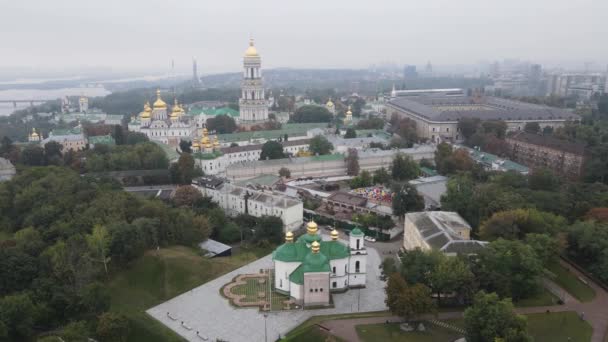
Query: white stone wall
[
  {"x": 357, "y": 278},
  {"x": 282, "y": 270}
]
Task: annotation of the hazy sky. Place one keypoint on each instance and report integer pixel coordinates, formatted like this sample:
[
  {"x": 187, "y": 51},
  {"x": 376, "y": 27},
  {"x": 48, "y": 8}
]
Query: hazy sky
[{"x": 306, "y": 33}]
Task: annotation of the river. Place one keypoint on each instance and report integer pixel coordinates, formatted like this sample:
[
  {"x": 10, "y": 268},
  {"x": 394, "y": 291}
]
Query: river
[{"x": 44, "y": 94}]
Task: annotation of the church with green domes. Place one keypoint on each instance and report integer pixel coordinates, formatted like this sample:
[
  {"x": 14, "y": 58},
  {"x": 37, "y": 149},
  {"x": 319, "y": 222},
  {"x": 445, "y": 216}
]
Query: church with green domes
[{"x": 309, "y": 269}]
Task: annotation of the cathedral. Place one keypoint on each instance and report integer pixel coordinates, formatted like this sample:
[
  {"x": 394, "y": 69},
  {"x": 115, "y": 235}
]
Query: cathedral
[
  {"x": 159, "y": 123},
  {"x": 253, "y": 104},
  {"x": 309, "y": 269}
]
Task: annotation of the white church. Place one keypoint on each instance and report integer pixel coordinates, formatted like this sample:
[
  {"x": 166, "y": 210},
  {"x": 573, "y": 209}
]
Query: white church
[{"x": 309, "y": 269}]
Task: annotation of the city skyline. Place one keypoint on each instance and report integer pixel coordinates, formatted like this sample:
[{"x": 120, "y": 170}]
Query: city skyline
[{"x": 144, "y": 35}]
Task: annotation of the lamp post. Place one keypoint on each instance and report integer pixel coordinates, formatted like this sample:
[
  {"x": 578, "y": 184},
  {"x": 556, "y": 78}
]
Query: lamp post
[{"x": 265, "y": 330}]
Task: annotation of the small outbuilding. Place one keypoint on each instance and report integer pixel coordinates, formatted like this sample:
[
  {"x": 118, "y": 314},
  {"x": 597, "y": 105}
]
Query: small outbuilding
[{"x": 215, "y": 248}]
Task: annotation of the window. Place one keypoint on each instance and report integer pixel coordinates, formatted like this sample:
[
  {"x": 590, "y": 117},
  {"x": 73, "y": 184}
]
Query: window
[
  {"x": 316, "y": 290},
  {"x": 334, "y": 284},
  {"x": 321, "y": 290},
  {"x": 447, "y": 129},
  {"x": 357, "y": 266},
  {"x": 358, "y": 241},
  {"x": 345, "y": 271},
  {"x": 280, "y": 282},
  {"x": 334, "y": 270},
  {"x": 311, "y": 290}
]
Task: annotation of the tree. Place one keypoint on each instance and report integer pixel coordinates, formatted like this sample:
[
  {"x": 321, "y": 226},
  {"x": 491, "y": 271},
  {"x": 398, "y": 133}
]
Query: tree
[
  {"x": 468, "y": 127},
  {"x": 352, "y": 162},
  {"x": 184, "y": 169},
  {"x": 491, "y": 319},
  {"x": 543, "y": 179},
  {"x": 363, "y": 180},
  {"x": 509, "y": 268},
  {"x": 442, "y": 155},
  {"x": 33, "y": 155},
  {"x": 404, "y": 168},
  {"x": 17, "y": 314},
  {"x": 451, "y": 275},
  {"x": 320, "y": 145},
  {"x": 99, "y": 244},
  {"x": 134, "y": 138},
  {"x": 284, "y": 172},
  {"x": 221, "y": 124},
  {"x": 350, "y": 134},
  {"x": 311, "y": 113},
  {"x": 381, "y": 176},
  {"x": 269, "y": 228},
  {"x": 272, "y": 150},
  {"x": 496, "y": 127},
  {"x": 517, "y": 223},
  {"x": 52, "y": 153},
  {"x": 407, "y": 301},
  {"x": 416, "y": 265},
  {"x": 113, "y": 327},
  {"x": 185, "y": 146},
  {"x": 406, "y": 199},
  {"x": 186, "y": 196},
  {"x": 532, "y": 127},
  {"x": 547, "y": 248},
  {"x": 75, "y": 331}
]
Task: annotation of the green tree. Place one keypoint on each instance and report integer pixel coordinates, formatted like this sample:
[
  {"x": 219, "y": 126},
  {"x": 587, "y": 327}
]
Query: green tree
[
  {"x": 451, "y": 275},
  {"x": 311, "y": 113},
  {"x": 491, "y": 319},
  {"x": 222, "y": 124},
  {"x": 113, "y": 327},
  {"x": 185, "y": 146},
  {"x": 381, "y": 176},
  {"x": 543, "y": 179},
  {"x": 404, "y": 168},
  {"x": 509, "y": 268},
  {"x": 320, "y": 145},
  {"x": 406, "y": 199},
  {"x": 517, "y": 223},
  {"x": 17, "y": 314},
  {"x": 547, "y": 248},
  {"x": 186, "y": 196},
  {"x": 269, "y": 228},
  {"x": 468, "y": 127},
  {"x": 284, "y": 172},
  {"x": 350, "y": 133},
  {"x": 184, "y": 169},
  {"x": 75, "y": 332},
  {"x": 99, "y": 244},
  {"x": 52, "y": 153},
  {"x": 272, "y": 150},
  {"x": 33, "y": 155},
  {"x": 496, "y": 127},
  {"x": 352, "y": 162},
  {"x": 407, "y": 301}
]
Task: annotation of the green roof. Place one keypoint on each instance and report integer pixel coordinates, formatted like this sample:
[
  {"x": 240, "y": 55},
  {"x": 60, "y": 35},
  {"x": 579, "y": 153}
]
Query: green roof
[
  {"x": 69, "y": 131},
  {"x": 297, "y": 251},
  {"x": 334, "y": 250},
  {"x": 315, "y": 262},
  {"x": 215, "y": 111},
  {"x": 290, "y": 252},
  {"x": 207, "y": 156},
  {"x": 356, "y": 232},
  {"x": 428, "y": 172},
  {"x": 335, "y": 156},
  {"x": 292, "y": 130},
  {"x": 102, "y": 139},
  {"x": 488, "y": 159},
  {"x": 297, "y": 276},
  {"x": 307, "y": 238}
]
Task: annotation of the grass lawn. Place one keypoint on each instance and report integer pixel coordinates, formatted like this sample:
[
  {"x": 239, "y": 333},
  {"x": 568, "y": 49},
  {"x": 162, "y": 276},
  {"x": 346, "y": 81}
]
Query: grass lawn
[
  {"x": 314, "y": 334},
  {"x": 392, "y": 333},
  {"x": 159, "y": 276},
  {"x": 554, "y": 327},
  {"x": 543, "y": 298},
  {"x": 570, "y": 282},
  {"x": 558, "y": 326},
  {"x": 303, "y": 328}
]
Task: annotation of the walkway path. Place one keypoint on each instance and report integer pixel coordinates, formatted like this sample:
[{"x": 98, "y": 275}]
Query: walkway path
[{"x": 595, "y": 311}]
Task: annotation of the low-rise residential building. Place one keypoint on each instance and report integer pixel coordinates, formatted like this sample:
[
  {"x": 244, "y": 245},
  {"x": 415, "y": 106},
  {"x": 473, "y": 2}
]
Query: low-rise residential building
[
  {"x": 493, "y": 162},
  {"x": 70, "y": 139},
  {"x": 235, "y": 199},
  {"x": 563, "y": 157},
  {"x": 445, "y": 231}
]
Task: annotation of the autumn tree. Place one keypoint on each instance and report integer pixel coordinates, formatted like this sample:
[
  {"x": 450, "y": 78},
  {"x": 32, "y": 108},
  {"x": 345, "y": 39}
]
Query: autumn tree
[
  {"x": 352, "y": 162},
  {"x": 186, "y": 196}
]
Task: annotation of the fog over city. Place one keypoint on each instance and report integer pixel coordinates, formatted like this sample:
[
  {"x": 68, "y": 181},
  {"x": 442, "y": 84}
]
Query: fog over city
[{"x": 148, "y": 35}]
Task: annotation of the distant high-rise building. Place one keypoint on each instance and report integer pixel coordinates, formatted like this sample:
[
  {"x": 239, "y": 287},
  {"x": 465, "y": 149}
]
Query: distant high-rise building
[
  {"x": 429, "y": 68},
  {"x": 252, "y": 105},
  {"x": 409, "y": 72},
  {"x": 195, "y": 79}
]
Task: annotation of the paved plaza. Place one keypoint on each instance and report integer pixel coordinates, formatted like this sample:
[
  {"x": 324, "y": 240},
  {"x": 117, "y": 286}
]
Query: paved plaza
[{"x": 203, "y": 309}]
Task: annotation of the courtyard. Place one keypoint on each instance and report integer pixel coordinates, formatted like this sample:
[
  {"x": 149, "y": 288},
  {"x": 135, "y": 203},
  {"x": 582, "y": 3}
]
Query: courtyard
[{"x": 203, "y": 313}]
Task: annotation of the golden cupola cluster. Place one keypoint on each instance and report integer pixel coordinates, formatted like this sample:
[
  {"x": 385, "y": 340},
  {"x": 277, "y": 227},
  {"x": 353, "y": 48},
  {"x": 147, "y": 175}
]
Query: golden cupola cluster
[
  {"x": 329, "y": 103},
  {"x": 349, "y": 112},
  {"x": 159, "y": 103},
  {"x": 177, "y": 110},
  {"x": 311, "y": 228},
  {"x": 251, "y": 50},
  {"x": 147, "y": 111},
  {"x": 34, "y": 134}
]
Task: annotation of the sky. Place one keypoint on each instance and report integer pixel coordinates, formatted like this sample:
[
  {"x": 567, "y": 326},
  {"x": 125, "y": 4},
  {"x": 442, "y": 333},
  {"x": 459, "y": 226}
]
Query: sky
[{"x": 138, "y": 34}]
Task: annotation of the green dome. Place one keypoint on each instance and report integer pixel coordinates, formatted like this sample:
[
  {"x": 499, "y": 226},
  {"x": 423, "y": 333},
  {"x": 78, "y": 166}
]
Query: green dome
[
  {"x": 309, "y": 239},
  {"x": 315, "y": 262},
  {"x": 286, "y": 252},
  {"x": 356, "y": 232}
]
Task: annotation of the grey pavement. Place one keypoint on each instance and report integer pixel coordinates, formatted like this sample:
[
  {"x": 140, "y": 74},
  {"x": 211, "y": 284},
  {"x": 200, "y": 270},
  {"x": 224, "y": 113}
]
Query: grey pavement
[{"x": 203, "y": 309}]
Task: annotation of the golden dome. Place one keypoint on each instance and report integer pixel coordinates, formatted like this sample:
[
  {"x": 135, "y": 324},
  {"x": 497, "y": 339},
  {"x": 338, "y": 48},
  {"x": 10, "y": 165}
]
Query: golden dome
[
  {"x": 334, "y": 234},
  {"x": 175, "y": 113},
  {"x": 195, "y": 144},
  {"x": 311, "y": 228},
  {"x": 315, "y": 247},
  {"x": 34, "y": 134},
  {"x": 251, "y": 50},
  {"x": 289, "y": 237},
  {"x": 349, "y": 112},
  {"x": 159, "y": 103},
  {"x": 216, "y": 142},
  {"x": 329, "y": 103},
  {"x": 205, "y": 140},
  {"x": 205, "y": 131}
]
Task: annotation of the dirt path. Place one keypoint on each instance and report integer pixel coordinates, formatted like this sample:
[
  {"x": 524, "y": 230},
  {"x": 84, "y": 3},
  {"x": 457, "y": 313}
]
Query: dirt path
[{"x": 595, "y": 312}]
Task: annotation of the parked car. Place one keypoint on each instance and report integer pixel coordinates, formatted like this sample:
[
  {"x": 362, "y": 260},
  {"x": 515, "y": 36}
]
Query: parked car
[
  {"x": 330, "y": 228},
  {"x": 369, "y": 238}
]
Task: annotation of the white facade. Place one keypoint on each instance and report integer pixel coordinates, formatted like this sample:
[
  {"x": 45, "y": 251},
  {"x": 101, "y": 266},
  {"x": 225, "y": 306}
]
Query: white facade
[
  {"x": 242, "y": 200},
  {"x": 253, "y": 106}
]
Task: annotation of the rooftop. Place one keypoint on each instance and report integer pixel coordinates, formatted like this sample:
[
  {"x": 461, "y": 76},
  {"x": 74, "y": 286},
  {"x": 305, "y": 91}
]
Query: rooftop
[
  {"x": 550, "y": 142},
  {"x": 448, "y": 108},
  {"x": 292, "y": 130},
  {"x": 102, "y": 139},
  {"x": 213, "y": 247},
  {"x": 349, "y": 199},
  {"x": 439, "y": 229}
]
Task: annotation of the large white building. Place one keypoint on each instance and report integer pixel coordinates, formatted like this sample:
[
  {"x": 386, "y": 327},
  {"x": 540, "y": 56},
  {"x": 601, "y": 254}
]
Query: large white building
[
  {"x": 236, "y": 200},
  {"x": 162, "y": 125},
  {"x": 252, "y": 105},
  {"x": 309, "y": 269}
]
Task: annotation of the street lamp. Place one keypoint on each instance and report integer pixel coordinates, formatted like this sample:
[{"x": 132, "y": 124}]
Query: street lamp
[{"x": 265, "y": 330}]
